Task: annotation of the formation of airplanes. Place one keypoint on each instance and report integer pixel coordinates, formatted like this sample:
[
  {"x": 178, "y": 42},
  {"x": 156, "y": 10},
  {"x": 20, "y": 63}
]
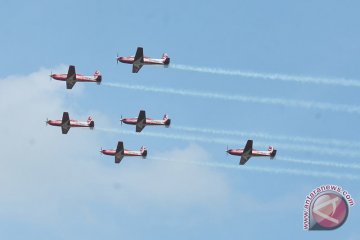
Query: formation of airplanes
[{"x": 141, "y": 121}]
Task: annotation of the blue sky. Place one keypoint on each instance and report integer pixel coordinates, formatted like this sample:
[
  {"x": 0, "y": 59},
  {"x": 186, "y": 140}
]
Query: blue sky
[{"x": 59, "y": 187}]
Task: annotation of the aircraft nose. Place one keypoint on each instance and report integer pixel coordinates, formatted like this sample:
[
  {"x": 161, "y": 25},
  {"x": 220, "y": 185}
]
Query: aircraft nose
[
  {"x": 120, "y": 59},
  {"x": 230, "y": 151}
]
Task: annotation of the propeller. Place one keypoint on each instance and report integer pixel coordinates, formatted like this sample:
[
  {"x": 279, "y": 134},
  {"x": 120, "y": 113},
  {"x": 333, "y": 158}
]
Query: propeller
[
  {"x": 117, "y": 58},
  {"x": 101, "y": 151},
  {"x": 46, "y": 122},
  {"x": 121, "y": 120},
  {"x": 227, "y": 150},
  {"x": 50, "y": 76}
]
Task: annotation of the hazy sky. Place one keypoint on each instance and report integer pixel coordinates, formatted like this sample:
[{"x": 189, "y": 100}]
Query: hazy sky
[{"x": 55, "y": 186}]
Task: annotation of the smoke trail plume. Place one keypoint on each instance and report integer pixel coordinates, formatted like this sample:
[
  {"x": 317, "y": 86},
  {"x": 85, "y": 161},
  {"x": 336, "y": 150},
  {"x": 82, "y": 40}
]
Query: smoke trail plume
[
  {"x": 289, "y": 171},
  {"x": 308, "y": 140},
  {"x": 319, "y": 163},
  {"x": 239, "y": 98},
  {"x": 271, "y": 76},
  {"x": 166, "y": 136}
]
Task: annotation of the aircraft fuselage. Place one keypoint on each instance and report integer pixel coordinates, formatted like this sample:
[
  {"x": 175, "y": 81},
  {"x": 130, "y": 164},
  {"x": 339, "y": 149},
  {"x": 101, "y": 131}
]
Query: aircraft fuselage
[
  {"x": 255, "y": 153},
  {"x": 128, "y": 153},
  {"x": 147, "y": 61},
  {"x": 79, "y": 77},
  {"x": 148, "y": 121},
  {"x": 73, "y": 123}
]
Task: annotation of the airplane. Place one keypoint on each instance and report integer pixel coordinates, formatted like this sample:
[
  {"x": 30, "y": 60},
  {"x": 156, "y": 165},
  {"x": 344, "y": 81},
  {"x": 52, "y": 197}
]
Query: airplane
[
  {"x": 141, "y": 121},
  {"x": 139, "y": 60},
  {"x": 66, "y": 123},
  {"x": 120, "y": 152},
  {"x": 249, "y": 152},
  {"x": 71, "y": 77}
]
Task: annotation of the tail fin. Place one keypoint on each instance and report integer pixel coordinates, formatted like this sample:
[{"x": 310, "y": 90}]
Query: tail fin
[
  {"x": 143, "y": 151},
  {"x": 166, "y": 58},
  {"x": 272, "y": 152},
  {"x": 167, "y": 120},
  {"x": 98, "y": 76},
  {"x": 91, "y": 122}
]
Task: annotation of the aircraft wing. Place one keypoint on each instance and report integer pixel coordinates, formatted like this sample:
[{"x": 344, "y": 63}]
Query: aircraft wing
[
  {"x": 64, "y": 129},
  {"x": 247, "y": 152},
  {"x": 119, "y": 154},
  {"x": 65, "y": 123},
  {"x": 141, "y": 121},
  {"x": 71, "y": 77},
  {"x": 138, "y": 60},
  {"x": 244, "y": 159},
  {"x": 136, "y": 67}
]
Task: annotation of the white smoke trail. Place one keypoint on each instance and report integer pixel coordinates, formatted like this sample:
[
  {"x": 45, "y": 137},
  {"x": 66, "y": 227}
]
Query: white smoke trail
[
  {"x": 166, "y": 136},
  {"x": 319, "y": 141},
  {"x": 239, "y": 98},
  {"x": 289, "y": 171},
  {"x": 271, "y": 76},
  {"x": 319, "y": 163},
  {"x": 292, "y": 147}
]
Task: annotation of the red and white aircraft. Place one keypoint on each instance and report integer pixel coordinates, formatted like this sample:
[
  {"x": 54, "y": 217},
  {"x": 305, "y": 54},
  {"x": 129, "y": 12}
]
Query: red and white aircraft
[
  {"x": 120, "y": 152},
  {"x": 66, "y": 123},
  {"x": 71, "y": 77},
  {"x": 249, "y": 152},
  {"x": 141, "y": 121},
  {"x": 139, "y": 60}
]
